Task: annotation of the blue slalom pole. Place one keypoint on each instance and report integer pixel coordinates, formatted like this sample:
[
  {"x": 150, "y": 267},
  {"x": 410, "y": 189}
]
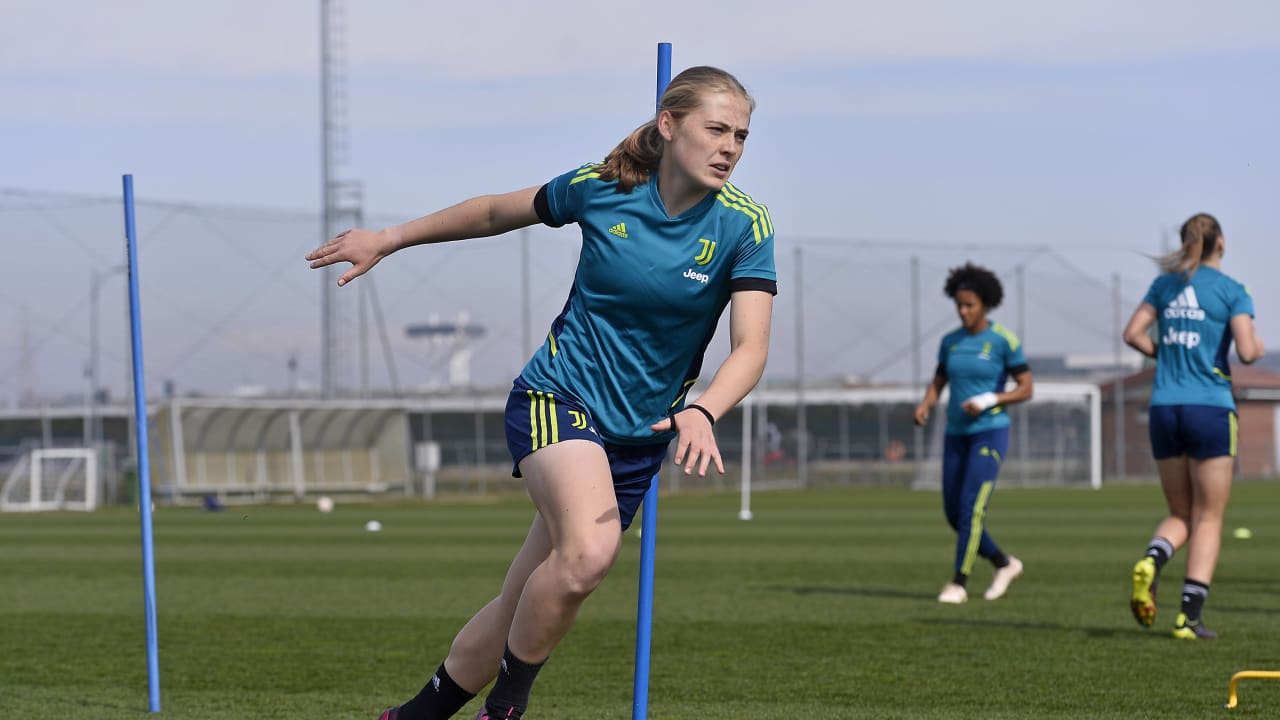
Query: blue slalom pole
[
  {"x": 644, "y": 607},
  {"x": 649, "y": 520},
  {"x": 144, "y": 457}
]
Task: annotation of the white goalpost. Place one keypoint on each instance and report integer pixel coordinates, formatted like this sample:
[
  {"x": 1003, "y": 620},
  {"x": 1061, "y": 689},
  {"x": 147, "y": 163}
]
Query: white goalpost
[
  {"x": 1055, "y": 440},
  {"x": 52, "y": 479}
]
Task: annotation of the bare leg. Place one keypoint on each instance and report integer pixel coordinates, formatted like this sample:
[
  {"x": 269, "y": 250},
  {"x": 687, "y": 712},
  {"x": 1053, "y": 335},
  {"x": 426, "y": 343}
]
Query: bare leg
[
  {"x": 1211, "y": 482},
  {"x": 477, "y": 649},
  {"x": 1175, "y": 480},
  {"x": 572, "y": 487}
]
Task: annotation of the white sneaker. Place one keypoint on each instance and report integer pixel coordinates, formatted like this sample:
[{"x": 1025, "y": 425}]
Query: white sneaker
[
  {"x": 1002, "y": 577},
  {"x": 953, "y": 594}
]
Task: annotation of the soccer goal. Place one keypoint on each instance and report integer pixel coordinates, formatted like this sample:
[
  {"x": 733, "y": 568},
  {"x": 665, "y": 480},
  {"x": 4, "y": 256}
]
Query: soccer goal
[
  {"x": 865, "y": 436},
  {"x": 52, "y": 479},
  {"x": 1055, "y": 440}
]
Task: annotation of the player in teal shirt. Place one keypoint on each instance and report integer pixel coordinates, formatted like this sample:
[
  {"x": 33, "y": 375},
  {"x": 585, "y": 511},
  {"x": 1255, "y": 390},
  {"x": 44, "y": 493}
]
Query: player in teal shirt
[
  {"x": 667, "y": 244},
  {"x": 976, "y": 363},
  {"x": 1197, "y": 312},
  {"x": 646, "y": 298},
  {"x": 977, "y": 359}
]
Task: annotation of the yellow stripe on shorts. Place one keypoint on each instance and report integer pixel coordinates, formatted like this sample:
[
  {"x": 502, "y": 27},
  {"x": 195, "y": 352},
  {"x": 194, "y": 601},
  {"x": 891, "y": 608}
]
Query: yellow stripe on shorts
[
  {"x": 555, "y": 422},
  {"x": 533, "y": 419}
]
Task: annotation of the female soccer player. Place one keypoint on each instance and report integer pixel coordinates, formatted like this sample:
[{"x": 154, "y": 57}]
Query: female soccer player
[
  {"x": 667, "y": 242},
  {"x": 976, "y": 358},
  {"x": 1198, "y": 311}
]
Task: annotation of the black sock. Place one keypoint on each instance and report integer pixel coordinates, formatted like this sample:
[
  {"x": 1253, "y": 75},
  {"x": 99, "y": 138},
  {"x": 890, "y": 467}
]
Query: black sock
[
  {"x": 510, "y": 694},
  {"x": 440, "y": 698},
  {"x": 1194, "y": 594},
  {"x": 960, "y": 579},
  {"x": 1161, "y": 550},
  {"x": 1000, "y": 559}
]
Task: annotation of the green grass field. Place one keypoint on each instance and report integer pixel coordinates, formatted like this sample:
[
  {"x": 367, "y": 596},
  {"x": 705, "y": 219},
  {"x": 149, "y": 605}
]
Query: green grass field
[{"x": 821, "y": 607}]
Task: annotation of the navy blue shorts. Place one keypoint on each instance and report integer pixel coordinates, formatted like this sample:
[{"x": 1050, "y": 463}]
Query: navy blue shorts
[
  {"x": 1199, "y": 431},
  {"x": 536, "y": 419}
]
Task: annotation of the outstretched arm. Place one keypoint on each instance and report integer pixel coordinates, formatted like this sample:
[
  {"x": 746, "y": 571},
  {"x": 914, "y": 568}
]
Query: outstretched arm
[
  {"x": 750, "y": 316},
  {"x": 478, "y": 217}
]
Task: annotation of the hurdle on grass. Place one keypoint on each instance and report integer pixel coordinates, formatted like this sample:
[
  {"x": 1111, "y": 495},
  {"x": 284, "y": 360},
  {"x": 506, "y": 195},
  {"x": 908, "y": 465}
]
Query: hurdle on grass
[
  {"x": 144, "y": 457},
  {"x": 1244, "y": 674},
  {"x": 649, "y": 519}
]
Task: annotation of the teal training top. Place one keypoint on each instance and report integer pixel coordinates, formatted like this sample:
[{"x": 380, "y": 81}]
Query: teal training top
[
  {"x": 975, "y": 364},
  {"x": 646, "y": 298},
  {"x": 1194, "y": 323}
]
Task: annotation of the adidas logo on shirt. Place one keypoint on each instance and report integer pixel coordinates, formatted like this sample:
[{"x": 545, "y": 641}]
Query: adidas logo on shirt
[
  {"x": 1184, "y": 306},
  {"x": 620, "y": 230}
]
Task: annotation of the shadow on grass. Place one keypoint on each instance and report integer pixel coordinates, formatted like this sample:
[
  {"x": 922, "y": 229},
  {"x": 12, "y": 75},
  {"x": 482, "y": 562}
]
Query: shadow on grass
[
  {"x": 1095, "y": 632},
  {"x": 849, "y": 590},
  {"x": 1262, "y": 582},
  {"x": 1246, "y": 610}
]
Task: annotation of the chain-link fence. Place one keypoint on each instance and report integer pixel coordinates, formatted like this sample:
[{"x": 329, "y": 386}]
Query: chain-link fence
[{"x": 230, "y": 309}]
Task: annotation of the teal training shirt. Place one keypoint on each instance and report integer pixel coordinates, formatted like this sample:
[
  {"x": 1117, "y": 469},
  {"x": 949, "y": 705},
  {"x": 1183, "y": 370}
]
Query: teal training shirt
[
  {"x": 646, "y": 298},
  {"x": 976, "y": 364},
  {"x": 1194, "y": 324}
]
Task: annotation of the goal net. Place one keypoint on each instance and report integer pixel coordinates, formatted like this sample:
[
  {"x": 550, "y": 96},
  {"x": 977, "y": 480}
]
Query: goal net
[
  {"x": 865, "y": 436},
  {"x": 52, "y": 479},
  {"x": 1055, "y": 440}
]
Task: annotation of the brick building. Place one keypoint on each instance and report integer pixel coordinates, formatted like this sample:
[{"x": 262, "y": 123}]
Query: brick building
[{"x": 1257, "y": 393}]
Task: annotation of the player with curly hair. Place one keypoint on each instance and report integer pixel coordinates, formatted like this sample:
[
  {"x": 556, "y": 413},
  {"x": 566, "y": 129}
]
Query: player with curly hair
[{"x": 977, "y": 359}]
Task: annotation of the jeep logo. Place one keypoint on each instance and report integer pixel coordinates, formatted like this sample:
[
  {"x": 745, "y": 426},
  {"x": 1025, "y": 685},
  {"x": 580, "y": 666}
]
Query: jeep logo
[{"x": 700, "y": 277}]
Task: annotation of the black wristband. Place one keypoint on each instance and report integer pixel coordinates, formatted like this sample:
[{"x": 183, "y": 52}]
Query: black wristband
[{"x": 710, "y": 418}]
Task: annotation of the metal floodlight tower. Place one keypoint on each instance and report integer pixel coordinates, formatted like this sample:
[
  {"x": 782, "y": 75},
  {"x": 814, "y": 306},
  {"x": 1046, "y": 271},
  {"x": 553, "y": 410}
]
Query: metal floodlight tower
[{"x": 342, "y": 200}]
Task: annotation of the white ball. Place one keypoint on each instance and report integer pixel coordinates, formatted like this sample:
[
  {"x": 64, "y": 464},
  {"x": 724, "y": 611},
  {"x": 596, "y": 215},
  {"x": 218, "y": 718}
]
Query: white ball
[
  {"x": 324, "y": 504},
  {"x": 373, "y": 526}
]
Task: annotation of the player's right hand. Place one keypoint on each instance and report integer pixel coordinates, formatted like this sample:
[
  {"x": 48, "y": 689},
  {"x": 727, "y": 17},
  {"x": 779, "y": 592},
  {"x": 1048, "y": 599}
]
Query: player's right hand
[
  {"x": 921, "y": 415},
  {"x": 362, "y": 248}
]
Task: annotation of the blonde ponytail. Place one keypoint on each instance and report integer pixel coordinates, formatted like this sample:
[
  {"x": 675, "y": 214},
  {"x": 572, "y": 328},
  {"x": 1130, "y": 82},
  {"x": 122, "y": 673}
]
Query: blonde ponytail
[
  {"x": 1200, "y": 236},
  {"x": 634, "y": 158}
]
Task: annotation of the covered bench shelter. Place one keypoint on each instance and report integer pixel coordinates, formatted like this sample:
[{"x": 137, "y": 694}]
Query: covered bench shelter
[{"x": 259, "y": 450}]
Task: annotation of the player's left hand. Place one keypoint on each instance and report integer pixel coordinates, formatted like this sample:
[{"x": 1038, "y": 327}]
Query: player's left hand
[
  {"x": 979, "y": 403},
  {"x": 695, "y": 441}
]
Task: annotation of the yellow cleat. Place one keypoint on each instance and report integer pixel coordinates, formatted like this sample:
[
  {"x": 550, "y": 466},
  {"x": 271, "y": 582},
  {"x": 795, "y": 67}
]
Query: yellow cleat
[
  {"x": 1143, "y": 600},
  {"x": 1184, "y": 630}
]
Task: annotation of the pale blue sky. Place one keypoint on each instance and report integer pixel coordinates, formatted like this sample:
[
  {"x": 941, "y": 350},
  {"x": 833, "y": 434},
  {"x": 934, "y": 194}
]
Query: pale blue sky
[{"x": 1010, "y": 123}]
